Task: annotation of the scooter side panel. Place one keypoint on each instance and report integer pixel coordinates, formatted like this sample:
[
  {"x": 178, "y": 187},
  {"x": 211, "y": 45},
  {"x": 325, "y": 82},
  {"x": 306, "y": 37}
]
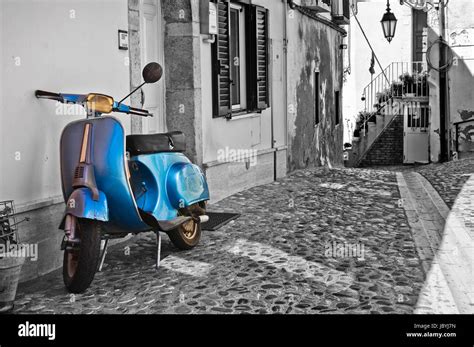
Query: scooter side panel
[
  {"x": 108, "y": 158},
  {"x": 171, "y": 185}
]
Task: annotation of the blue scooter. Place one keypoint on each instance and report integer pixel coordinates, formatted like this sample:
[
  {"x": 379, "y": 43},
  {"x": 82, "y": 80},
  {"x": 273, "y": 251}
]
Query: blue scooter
[{"x": 114, "y": 185}]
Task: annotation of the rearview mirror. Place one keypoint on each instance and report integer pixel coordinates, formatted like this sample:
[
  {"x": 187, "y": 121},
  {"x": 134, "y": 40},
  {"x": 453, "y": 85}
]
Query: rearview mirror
[{"x": 152, "y": 72}]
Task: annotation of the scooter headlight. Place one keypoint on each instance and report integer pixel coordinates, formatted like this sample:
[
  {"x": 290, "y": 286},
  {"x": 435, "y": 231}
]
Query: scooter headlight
[{"x": 99, "y": 103}]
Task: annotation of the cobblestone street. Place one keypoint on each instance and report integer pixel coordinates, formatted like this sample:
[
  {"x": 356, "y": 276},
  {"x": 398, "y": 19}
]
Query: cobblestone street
[
  {"x": 448, "y": 179},
  {"x": 318, "y": 241}
]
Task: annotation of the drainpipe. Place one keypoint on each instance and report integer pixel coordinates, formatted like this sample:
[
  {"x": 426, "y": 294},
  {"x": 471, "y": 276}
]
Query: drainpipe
[
  {"x": 285, "y": 79},
  {"x": 272, "y": 107},
  {"x": 443, "y": 87}
]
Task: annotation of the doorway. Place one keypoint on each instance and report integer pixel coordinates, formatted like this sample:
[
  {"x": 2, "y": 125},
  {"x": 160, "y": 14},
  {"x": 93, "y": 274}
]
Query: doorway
[
  {"x": 152, "y": 50},
  {"x": 416, "y": 136}
]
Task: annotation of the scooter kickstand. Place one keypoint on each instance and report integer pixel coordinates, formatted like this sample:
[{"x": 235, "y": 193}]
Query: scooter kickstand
[
  {"x": 104, "y": 253},
  {"x": 158, "y": 249}
]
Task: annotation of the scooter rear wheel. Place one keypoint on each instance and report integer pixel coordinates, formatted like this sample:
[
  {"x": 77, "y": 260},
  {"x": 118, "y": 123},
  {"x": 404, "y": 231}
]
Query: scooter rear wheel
[
  {"x": 187, "y": 236},
  {"x": 80, "y": 264}
]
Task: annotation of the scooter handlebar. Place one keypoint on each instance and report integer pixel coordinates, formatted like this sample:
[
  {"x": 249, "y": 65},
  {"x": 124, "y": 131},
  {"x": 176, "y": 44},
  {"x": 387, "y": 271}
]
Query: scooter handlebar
[
  {"x": 79, "y": 98},
  {"x": 42, "y": 94},
  {"x": 131, "y": 110},
  {"x": 140, "y": 112}
]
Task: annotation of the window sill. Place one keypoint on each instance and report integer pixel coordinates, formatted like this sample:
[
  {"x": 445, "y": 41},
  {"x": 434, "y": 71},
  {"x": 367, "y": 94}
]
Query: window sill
[{"x": 244, "y": 115}]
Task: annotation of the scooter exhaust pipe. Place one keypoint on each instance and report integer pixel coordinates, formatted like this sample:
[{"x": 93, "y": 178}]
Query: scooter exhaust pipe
[{"x": 204, "y": 218}]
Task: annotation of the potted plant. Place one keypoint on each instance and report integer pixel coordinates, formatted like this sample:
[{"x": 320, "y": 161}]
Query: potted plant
[
  {"x": 356, "y": 135},
  {"x": 397, "y": 89},
  {"x": 408, "y": 81},
  {"x": 11, "y": 256},
  {"x": 372, "y": 118},
  {"x": 384, "y": 96},
  {"x": 380, "y": 98},
  {"x": 363, "y": 116},
  {"x": 360, "y": 121},
  {"x": 421, "y": 82}
]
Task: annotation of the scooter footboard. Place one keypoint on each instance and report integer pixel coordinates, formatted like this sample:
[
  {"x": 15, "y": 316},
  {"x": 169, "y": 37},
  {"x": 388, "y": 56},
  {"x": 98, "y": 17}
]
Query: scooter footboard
[
  {"x": 186, "y": 185},
  {"x": 81, "y": 205}
]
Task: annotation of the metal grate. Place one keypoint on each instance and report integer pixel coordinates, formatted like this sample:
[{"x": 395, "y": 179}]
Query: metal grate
[
  {"x": 218, "y": 219},
  {"x": 79, "y": 172}
]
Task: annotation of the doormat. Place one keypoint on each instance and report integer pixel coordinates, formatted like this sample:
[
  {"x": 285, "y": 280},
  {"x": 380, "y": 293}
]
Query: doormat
[{"x": 218, "y": 220}]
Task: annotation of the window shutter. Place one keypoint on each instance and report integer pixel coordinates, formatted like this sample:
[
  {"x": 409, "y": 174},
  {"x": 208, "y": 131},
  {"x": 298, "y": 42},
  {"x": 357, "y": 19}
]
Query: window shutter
[
  {"x": 261, "y": 36},
  {"x": 221, "y": 62}
]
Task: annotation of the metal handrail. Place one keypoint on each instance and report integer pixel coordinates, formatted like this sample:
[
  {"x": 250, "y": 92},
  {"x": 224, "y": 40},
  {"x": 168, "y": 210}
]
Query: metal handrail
[
  {"x": 410, "y": 86},
  {"x": 384, "y": 83}
]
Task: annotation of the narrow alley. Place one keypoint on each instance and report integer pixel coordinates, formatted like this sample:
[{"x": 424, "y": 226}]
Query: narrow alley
[{"x": 318, "y": 241}]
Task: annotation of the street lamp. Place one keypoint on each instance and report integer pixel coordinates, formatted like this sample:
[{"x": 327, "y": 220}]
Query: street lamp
[{"x": 389, "y": 23}]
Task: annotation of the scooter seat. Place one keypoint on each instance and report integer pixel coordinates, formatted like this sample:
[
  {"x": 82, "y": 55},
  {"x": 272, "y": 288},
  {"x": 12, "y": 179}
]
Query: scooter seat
[{"x": 174, "y": 141}]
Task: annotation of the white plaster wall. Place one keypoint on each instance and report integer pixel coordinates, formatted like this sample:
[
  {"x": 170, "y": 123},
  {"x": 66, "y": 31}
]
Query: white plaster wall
[
  {"x": 60, "y": 54},
  {"x": 460, "y": 35}
]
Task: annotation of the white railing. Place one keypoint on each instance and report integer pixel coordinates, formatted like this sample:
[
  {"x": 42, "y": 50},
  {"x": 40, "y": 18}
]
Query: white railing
[{"x": 398, "y": 80}]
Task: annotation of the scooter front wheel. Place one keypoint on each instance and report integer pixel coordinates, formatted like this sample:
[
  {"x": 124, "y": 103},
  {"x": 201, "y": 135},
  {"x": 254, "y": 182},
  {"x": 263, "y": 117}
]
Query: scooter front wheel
[{"x": 80, "y": 262}]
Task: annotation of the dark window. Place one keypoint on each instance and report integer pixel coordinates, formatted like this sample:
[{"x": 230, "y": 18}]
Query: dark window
[
  {"x": 235, "y": 55},
  {"x": 337, "y": 103},
  {"x": 240, "y": 59},
  {"x": 420, "y": 21},
  {"x": 317, "y": 102}
]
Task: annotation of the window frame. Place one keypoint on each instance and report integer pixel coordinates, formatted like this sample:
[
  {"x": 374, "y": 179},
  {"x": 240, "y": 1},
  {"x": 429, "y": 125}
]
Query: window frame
[
  {"x": 242, "y": 13},
  {"x": 255, "y": 95},
  {"x": 337, "y": 107}
]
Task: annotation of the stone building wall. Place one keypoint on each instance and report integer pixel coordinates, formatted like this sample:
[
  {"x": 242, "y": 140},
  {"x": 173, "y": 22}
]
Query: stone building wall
[{"x": 313, "y": 46}]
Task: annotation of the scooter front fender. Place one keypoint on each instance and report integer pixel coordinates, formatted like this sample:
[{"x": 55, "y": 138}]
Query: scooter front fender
[{"x": 81, "y": 205}]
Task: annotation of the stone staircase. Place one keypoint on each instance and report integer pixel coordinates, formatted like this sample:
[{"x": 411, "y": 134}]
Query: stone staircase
[
  {"x": 380, "y": 140},
  {"x": 372, "y": 134}
]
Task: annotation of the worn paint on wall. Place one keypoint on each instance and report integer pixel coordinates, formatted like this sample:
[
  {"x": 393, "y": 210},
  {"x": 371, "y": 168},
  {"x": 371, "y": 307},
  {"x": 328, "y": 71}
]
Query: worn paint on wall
[{"x": 313, "y": 47}]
